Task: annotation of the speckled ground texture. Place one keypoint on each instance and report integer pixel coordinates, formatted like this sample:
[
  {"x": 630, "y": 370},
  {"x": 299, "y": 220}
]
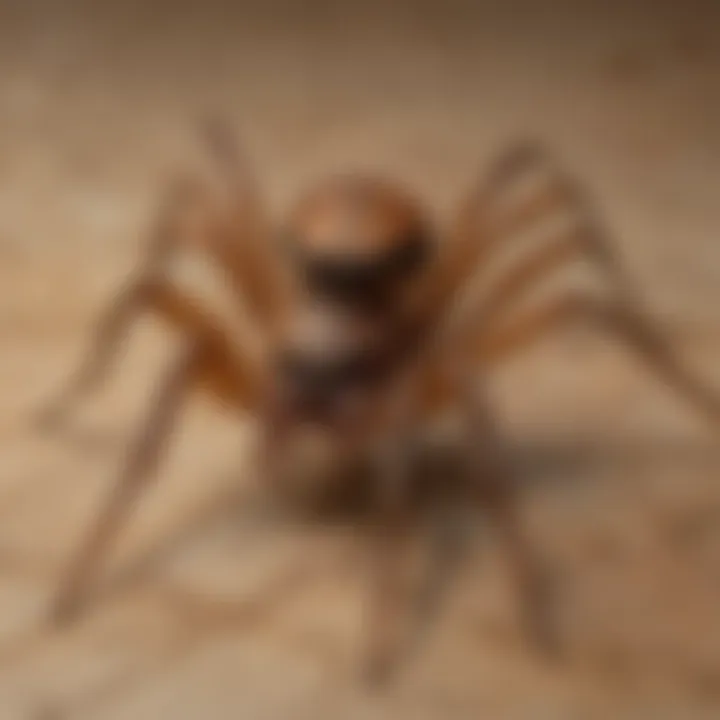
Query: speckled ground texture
[{"x": 216, "y": 604}]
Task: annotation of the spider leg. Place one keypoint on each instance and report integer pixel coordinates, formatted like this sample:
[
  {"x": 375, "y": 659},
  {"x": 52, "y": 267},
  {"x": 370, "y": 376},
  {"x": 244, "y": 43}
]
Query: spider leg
[
  {"x": 522, "y": 278},
  {"x": 243, "y": 238},
  {"x": 485, "y": 227},
  {"x": 478, "y": 230},
  {"x": 107, "y": 338},
  {"x": 620, "y": 316},
  {"x": 215, "y": 363},
  {"x": 212, "y": 363},
  {"x": 446, "y": 378},
  {"x": 119, "y": 316},
  {"x": 393, "y": 524},
  {"x": 493, "y": 484},
  {"x": 386, "y": 585},
  {"x": 504, "y": 340},
  {"x": 561, "y": 192},
  {"x": 226, "y": 239},
  {"x": 459, "y": 330},
  {"x": 134, "y": 478}
]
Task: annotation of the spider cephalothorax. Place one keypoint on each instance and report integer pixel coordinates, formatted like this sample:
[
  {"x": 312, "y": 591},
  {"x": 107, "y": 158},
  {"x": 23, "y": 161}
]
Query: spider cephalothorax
[
  {"x": 357, "y": 239},
  {"x": 355, "y": 307}
]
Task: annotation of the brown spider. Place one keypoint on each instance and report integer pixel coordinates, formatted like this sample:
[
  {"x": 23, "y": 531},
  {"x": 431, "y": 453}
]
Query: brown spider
[{"x": 362, "y": 333}]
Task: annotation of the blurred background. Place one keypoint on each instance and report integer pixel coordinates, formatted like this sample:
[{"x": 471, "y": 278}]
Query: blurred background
[{"x": 212, "y": 607}]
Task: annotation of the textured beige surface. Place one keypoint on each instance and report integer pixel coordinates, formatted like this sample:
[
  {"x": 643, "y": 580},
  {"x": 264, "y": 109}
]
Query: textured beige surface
[{"x": 215, "y": 607}]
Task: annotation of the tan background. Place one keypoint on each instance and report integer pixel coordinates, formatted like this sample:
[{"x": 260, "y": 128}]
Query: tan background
[{"x": 217, "y": 617}]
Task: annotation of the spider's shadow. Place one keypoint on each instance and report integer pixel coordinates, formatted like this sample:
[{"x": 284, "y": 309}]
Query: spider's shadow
[
  {"x": 560, "y": 465},
  {"x": 545, "y": 465},
  {"x": 555, "y": 465}
]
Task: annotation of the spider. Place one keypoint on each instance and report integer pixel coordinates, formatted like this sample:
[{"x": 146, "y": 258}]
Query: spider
[{"x": 361, "y": 321}]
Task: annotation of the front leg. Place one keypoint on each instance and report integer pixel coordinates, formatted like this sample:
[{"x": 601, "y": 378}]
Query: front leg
[
  {"x": 494, "y": 485},
  {"x": 135, "y": 476},
  {"x": 390, "y": 535},
  {"x": 393, "y": 467},
  {"x": 213, "y": 363}
]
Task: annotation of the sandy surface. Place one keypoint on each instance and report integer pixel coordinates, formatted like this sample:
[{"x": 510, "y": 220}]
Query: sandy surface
[{"x": 216, "y": 606}]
